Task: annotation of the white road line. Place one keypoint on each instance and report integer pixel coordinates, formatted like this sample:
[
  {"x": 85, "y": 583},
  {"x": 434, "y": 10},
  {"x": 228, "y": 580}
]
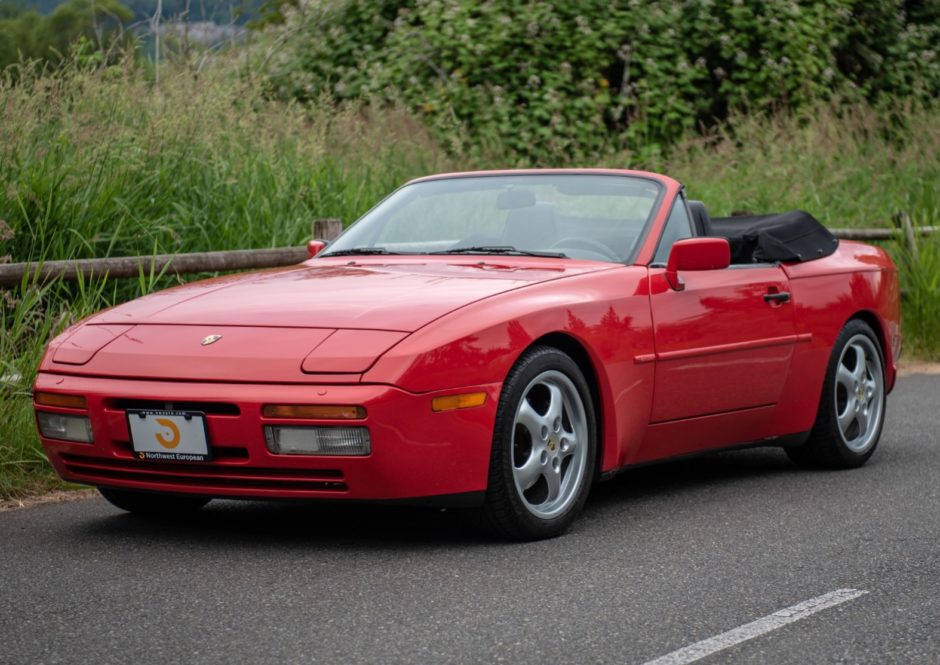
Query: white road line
[{"x": 749, "y": 631}]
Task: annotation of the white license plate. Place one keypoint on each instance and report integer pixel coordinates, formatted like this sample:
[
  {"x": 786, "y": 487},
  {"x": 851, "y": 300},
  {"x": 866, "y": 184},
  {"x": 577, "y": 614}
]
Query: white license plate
[{"x": 174, "y": 436}]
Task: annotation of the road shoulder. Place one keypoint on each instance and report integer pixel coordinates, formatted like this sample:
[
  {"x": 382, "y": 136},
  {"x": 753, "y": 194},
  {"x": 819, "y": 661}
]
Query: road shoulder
[
  {"x": 55, "y": 496},
  {"x": 908, "y": 367}
]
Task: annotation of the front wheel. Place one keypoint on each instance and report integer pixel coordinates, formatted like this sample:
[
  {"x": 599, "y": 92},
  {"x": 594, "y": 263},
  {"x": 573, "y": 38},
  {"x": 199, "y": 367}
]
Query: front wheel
[
  {"x": 544, "y": 446},
  {"x": 146, "y": 503},
  {"x": 852, "y": 408}
]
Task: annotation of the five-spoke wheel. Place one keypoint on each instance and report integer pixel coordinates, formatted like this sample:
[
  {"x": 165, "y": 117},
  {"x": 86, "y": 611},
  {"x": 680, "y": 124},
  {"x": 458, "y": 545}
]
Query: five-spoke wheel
[
  {"x": 852, "y": 406},
  {"x": 859, "y": 392},
  {"x": 549, "y": 441},
  {"x": 544, "y": 441}
]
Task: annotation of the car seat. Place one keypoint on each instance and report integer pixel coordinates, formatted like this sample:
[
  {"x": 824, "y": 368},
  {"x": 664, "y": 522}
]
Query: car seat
[{"x": 700, "y": 219}]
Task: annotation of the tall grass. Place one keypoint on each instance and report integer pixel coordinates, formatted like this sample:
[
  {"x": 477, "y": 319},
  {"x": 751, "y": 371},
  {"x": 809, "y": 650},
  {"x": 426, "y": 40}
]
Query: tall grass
[
  {"x": 920, "y": 277},
  {"x": 100, "y": 162},
  {"x": 849, "y": 167},
  {"x": 29, "y": 316}
]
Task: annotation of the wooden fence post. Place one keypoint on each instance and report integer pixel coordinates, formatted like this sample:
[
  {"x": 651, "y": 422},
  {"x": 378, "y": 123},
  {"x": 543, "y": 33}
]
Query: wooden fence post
[
  {"x": 327, "y": 229},
  {"x": 902, "y": 220}
]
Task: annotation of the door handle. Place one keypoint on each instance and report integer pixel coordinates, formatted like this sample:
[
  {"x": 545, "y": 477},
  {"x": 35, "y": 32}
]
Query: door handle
[{"x": 781, "y": 297}]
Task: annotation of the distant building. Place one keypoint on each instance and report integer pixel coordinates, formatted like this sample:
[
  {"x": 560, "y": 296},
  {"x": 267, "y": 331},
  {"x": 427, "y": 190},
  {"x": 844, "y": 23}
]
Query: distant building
[{"x": 204, "y": 32}]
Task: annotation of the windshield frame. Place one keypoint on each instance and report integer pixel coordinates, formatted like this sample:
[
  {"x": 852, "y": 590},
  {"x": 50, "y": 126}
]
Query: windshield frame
[{"x": 641, "y": 239}]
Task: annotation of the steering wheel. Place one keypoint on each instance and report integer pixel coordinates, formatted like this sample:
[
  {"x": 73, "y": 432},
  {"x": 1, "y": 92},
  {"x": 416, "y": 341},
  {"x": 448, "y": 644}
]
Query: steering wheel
[{"x": 588, "y": 244}]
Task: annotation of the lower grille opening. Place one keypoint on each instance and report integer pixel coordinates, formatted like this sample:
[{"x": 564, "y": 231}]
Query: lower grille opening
[{"x": 100, "y": 470}]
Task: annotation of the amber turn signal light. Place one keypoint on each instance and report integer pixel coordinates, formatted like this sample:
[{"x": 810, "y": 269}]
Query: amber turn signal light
[
  {"x": 314, "y": 411},
  {"x": 451, "y": 402},
  {"x": 57, "y": 399}
]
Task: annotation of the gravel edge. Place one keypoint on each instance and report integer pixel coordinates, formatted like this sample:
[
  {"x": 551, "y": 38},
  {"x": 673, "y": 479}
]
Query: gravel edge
[{"x": 55, "y": 496}]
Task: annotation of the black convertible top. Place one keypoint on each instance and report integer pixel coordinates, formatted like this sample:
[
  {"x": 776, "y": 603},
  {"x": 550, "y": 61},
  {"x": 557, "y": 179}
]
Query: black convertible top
[{"x": 785, "y": 236}]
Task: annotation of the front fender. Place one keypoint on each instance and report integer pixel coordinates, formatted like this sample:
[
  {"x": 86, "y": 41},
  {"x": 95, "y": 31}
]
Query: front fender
[{"x": 606, "y": 312}]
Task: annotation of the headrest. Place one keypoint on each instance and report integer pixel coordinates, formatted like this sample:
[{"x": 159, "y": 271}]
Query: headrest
[{"x": 700, "y": 219}]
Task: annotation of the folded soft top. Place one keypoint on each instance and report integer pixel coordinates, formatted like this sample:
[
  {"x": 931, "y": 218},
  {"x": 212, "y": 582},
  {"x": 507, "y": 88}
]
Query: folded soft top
[{"x": 786, "y": 236}]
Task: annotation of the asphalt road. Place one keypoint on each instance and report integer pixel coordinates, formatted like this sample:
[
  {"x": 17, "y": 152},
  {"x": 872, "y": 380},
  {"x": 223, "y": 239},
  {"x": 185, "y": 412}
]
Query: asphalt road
[{"x": 663, "y": 557}]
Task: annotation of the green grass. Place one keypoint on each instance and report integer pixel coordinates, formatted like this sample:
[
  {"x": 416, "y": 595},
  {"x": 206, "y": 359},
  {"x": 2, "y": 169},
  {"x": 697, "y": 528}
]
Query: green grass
[
  {"x": 30, "y": 316},
  {"x": 101, "y": 163},
  {"x": 921, "y": 307},
  {"x": 848, "y": 167}
]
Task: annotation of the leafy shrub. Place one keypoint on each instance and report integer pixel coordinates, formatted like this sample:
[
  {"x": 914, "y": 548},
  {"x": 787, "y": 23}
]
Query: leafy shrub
[{"x": 568, "y": 81}]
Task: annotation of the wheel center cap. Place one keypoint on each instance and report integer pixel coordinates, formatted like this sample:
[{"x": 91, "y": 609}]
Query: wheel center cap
[{"x": 552, "y": 443}]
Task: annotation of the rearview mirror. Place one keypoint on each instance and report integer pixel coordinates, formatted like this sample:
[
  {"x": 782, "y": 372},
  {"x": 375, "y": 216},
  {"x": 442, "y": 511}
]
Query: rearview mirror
[
  {"x": 696, "y": 254},
  {"x": 513, "y": 199}
]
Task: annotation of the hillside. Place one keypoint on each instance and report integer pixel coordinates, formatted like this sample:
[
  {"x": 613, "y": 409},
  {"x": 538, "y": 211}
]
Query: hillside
[{"x": 221, "y": 12}]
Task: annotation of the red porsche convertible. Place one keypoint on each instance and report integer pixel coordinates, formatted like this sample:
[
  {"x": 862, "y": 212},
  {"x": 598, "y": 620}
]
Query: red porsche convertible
[{"x": 497, "y": 341}]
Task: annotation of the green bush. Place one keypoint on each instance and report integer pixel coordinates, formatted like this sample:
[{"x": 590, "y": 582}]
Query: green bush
[
  {"x": 562, "y": 82},
  {"x": 25, "y": 35}
]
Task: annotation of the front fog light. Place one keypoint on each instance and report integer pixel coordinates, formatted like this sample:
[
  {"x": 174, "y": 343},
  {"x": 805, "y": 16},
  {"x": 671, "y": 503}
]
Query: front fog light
[
  {"x": 317, "y": 440},
  {"x": 67, "y": 428}
]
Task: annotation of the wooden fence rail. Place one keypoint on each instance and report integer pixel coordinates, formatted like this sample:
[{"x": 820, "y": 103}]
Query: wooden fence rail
[
  {"x": 173, "y": 264},
  {"x": 12, "y": 274},
  {"x": 881, "y": 234}
]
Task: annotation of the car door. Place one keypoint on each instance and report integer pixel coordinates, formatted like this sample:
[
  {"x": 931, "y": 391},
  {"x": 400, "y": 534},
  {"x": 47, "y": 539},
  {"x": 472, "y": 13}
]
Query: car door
[{"x": 724, "y": 342}]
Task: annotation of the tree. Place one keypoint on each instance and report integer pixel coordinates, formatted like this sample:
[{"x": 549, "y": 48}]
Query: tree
[{"x": 27, "y": 35}]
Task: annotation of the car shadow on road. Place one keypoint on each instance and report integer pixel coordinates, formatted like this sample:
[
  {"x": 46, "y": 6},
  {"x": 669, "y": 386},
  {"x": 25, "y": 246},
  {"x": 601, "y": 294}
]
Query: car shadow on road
[
  {"x": 241, "y": 524},
  {"x": 690, "y": 475},
  {"x": 226, "y": 524}
]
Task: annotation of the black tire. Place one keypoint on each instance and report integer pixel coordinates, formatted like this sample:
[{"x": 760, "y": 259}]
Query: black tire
[
  {"x": 507, "y": 511},
  {"x": 149, "y": 503},
  {"x": 828, "y": 446}
]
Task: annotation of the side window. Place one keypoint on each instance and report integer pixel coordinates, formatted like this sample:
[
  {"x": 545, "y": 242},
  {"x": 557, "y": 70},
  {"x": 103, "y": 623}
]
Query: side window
[{"x": 678, "y": 227}]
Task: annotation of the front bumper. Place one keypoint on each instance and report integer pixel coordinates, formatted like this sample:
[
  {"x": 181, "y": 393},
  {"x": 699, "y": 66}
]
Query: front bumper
[{"x": 416, "y": 453}]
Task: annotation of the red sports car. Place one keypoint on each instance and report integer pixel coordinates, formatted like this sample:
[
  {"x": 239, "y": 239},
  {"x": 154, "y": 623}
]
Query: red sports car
[{"x": 497, "y": 341}]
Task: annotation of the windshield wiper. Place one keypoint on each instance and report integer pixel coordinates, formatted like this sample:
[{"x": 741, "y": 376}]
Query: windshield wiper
[
  {"x": 359, "y": 250},
  {"x": 499, "y": 249}
]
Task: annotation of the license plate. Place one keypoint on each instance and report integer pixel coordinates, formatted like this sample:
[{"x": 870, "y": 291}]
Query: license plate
[{"x": 173, "y": 436}]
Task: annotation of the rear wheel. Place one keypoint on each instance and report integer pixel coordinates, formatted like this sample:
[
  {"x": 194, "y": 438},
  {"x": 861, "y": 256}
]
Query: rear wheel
[
  {"x": 544, "y": 445},
  {"x": 852, "y": 407},
  {"x": 146, "y": 503}
]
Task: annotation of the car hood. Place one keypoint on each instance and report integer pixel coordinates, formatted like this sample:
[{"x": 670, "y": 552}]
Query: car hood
[
  {"x": 331, "y": 293},
  {"x": 322, "y": 318}
]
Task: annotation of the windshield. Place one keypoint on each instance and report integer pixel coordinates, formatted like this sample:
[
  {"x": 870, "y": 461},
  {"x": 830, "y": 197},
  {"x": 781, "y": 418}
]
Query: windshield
[{"x": 596, "y": 217}]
